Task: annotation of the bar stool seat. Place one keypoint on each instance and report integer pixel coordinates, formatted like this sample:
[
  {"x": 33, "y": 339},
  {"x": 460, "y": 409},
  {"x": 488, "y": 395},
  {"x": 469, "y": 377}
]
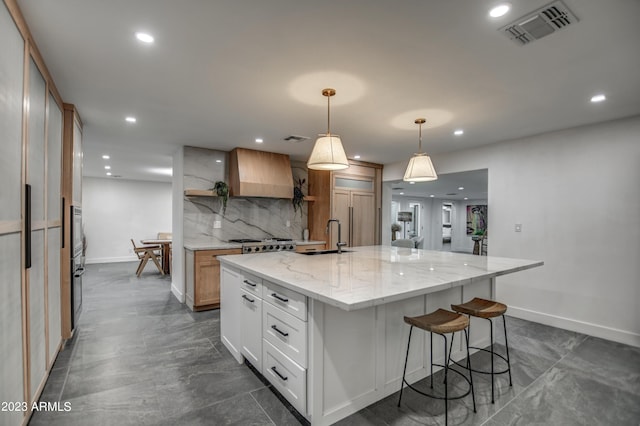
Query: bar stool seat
[
  {"x": 440, "y": 322},
  {"x": 481, "y": 308},
  {"x": 487, "y": 309}
]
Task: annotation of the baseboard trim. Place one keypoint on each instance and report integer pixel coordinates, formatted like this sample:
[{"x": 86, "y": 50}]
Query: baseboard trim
[
  {"x": 608, "y": 333},
  {"x": 177, "y": 293},
  {"x": 90, "y": 261}
]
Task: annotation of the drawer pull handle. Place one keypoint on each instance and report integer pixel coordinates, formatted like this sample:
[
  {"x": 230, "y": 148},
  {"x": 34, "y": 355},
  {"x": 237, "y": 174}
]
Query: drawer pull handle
[
  {"x": 280, "y": 298},
  {"x": 250, "y": 283},
  {"x": 244, "y": 296},
  {"x": 279, "y": 331},
  {"x": 279, "y": 375}
]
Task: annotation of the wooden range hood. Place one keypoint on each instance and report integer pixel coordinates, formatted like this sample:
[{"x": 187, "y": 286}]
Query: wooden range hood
[{"x": 259, "y": 174}]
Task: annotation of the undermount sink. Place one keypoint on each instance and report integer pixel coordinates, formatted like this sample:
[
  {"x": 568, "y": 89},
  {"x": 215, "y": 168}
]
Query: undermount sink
[{"x": 308, "y": 253}]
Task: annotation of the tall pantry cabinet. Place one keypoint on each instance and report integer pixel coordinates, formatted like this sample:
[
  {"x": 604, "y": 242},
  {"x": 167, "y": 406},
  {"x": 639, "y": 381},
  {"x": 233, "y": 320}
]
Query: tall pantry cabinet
[
  {"x": 31, "y": 228},
  {"x": 354, "y": 197}
]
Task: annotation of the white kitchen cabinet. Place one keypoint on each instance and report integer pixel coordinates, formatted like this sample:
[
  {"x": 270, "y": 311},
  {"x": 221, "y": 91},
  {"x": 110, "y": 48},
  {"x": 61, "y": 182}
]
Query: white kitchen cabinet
[
  {"x": 266, "y": 324},
  {"x": 287, "y": 377},
  {"x": 251, "y": 328},
  {"x": 230, "y": 311},
  {"x": 289, "y": 301},
  {"x": 285, "y": 332}
]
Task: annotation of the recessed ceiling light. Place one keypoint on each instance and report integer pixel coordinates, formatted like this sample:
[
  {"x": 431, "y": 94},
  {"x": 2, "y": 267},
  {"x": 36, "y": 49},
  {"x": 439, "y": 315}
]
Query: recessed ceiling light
[
  {"x": 402, "y": 193},
  {"x": 459, "y": 132},
  {"x": 431, "y": 195},
  {"x": 108, "y": 173},
  {"x": 144, "y": 37},
  {"x": 357, "y": 157},
  {"x": 460, "y": 188},
  {"x": 218, "y": 161},
  {"x": 412, "y": 183},
  {"x": 107, "y": 167},
  {"x": 465, "y": 198},
  {"x": 259, "y": 140},
  {"x": 131, "y": 119},
  {"x": 106, "y": 157},
  {"x": 598, "y": 98},
  {"x": 500, "y": 10}
]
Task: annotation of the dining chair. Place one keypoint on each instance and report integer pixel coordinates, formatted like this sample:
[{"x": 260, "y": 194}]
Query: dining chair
[
  {"x": 145, "y": 253},
  {"x": 164, "y": 235}
]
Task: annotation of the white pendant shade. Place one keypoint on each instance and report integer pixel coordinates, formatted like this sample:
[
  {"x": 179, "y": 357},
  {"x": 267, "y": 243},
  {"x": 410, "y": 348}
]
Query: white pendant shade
[
  {"x": 328, "y": 154},
  {"x": 420, "y": 169}
]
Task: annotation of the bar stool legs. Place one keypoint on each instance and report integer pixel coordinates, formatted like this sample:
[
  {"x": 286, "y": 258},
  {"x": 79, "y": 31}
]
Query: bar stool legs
[
  {"x": 440, "y": 322},
  {"x": 488, "y": 309}
]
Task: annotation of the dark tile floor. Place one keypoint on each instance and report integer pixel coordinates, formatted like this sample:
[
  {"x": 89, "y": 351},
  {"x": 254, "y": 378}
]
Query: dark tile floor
[{"x": 141, "y": 358}]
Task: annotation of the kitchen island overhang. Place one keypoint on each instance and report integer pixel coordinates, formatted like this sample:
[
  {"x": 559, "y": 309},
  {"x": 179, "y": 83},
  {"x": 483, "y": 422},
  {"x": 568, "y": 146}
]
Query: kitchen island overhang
[
  {"x": 354, "y": 305},
  {"x": 375, "y": 275}
]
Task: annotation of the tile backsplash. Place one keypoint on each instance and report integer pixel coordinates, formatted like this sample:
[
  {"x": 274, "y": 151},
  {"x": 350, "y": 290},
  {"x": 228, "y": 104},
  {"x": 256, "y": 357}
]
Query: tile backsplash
[{"x": 245, "y": 217}]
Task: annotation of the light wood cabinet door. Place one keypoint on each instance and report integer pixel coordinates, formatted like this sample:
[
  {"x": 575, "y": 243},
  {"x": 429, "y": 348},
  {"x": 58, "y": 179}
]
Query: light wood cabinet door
[
  {"x": 207, "y": 288},
  {"x": 341, "y": 211},
  {"x": 363, "y": 219},
  {"x": 206, "y": 292},
  {"x": 309, "y": 247}
]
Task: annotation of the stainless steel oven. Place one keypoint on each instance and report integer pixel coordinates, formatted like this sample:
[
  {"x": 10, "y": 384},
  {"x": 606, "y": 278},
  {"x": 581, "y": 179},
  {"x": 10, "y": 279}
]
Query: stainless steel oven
[{"x": 77, "y": 264}]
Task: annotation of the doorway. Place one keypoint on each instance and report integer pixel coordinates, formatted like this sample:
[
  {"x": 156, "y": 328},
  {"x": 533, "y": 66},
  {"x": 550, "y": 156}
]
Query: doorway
[
  {"x": 447, "y": 212},
  {"x": 436, "y": 211}
]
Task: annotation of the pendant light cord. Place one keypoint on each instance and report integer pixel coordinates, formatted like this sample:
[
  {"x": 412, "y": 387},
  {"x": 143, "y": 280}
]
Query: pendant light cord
[{"x": 420, "y": 140}]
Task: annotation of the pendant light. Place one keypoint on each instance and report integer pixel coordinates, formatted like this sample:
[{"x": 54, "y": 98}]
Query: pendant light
[
  {"x": 420, "y": 167},
  {"x": 328, "y": 153}
]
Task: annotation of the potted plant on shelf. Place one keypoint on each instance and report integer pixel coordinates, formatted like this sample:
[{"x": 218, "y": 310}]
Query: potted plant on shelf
[
  {"x": 395, "y": 228},
  {"x": 298, "y": 195},
  {"x": 222, "y": 190}
]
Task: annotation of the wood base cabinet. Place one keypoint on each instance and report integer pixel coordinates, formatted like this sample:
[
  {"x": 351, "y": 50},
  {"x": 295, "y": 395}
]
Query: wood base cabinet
[{"x": 203, "y": 278}]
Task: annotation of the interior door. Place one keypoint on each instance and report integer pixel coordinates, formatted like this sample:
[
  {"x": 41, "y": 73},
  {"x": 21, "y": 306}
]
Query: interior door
[{"x": 363, "y": 219}]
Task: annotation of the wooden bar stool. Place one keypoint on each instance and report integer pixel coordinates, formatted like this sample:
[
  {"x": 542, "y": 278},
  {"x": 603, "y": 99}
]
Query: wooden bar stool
[
  {"x": 487, "y": 309},
  {"x": 440, "y": 322}
]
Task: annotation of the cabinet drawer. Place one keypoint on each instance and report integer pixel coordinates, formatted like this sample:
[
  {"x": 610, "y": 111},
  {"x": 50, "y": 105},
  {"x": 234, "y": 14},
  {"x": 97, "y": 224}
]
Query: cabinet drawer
[
  {"x": 286, "y": 376},
  {"x": 252, "y": 284},
  {"x": 286, "y": 332},
  {"x": 309, "y": 247},
  {"x": 288, "y": 300}
]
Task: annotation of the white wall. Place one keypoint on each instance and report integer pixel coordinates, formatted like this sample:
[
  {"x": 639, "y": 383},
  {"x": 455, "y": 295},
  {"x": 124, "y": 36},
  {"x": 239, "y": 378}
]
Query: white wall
[
  {"x": 177, "y": 264},
  {"x": 114, "y": 211},
  {"x": 576, "y": 193}
]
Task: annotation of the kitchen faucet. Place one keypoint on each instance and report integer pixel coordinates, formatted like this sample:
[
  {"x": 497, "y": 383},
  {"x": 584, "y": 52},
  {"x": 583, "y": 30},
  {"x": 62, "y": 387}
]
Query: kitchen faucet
[{"x": 339, "y": 243}]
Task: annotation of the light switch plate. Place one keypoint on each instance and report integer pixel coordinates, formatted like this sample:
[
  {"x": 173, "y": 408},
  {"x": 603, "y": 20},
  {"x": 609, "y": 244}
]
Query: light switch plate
[
  {"x": 518, "y": 227},
  {"x": 217, "y": 224},
  {"x": 288, "y": 224}
]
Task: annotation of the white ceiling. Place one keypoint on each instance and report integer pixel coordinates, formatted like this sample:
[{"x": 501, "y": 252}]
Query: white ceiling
[{"x": 222, "y": 73}]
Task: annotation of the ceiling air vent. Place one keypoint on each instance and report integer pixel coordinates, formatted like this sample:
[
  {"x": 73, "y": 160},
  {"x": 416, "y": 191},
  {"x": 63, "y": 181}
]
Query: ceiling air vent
[
  {"x": 540, "y": 23},
  {"x": 296, "y": 138}
]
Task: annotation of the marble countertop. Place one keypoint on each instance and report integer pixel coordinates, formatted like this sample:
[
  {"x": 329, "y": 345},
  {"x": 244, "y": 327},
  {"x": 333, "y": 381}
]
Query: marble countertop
[
  {"x": 210, "y": 245},
  {"x": 219, "y": 245},
  {"x": 374, "y": 275}
]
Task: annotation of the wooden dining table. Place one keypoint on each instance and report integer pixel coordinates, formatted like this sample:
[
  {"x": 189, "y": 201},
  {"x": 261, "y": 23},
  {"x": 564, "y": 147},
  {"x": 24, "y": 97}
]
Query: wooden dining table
[{"x": 165, "y": 246}]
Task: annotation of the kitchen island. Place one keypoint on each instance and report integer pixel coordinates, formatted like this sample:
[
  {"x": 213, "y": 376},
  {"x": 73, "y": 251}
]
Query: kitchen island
[{"x": 327, "y": 330}]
